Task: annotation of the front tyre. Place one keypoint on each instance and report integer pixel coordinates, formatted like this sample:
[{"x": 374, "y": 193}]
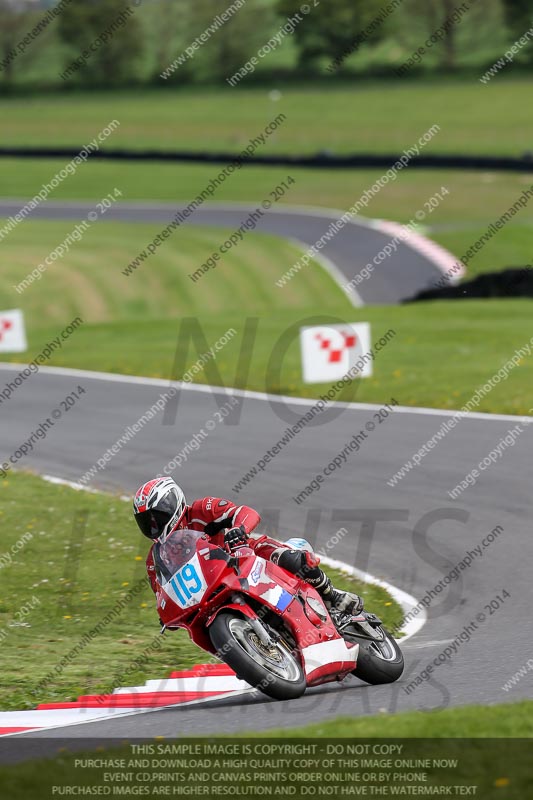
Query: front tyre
[{"x": 273, "y": 670}]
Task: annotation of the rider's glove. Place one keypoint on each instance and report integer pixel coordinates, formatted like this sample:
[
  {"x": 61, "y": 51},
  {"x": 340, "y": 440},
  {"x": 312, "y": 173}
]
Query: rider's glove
[{"x": 235, "y": 538}]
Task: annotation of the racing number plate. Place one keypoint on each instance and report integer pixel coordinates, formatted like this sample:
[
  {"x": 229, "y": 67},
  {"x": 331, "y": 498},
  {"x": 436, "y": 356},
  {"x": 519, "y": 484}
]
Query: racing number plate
[{"x": 188, "y": 585}]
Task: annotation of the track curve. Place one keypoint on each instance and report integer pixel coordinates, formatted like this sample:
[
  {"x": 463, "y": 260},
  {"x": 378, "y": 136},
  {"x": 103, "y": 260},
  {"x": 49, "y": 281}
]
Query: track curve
[
  {"x": 415, "y": 265},
  {"x": 414, "y": 561}
]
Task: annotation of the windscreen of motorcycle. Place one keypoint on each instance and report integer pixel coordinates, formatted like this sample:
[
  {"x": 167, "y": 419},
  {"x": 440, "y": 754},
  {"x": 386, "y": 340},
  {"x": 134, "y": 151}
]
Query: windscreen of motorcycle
[
  {"x": 178, "y": 565},
  {"x": 175, "y": 551}
]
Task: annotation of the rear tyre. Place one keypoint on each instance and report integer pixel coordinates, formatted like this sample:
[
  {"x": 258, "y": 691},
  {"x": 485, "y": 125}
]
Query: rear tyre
[
  {"x": 378, "y": 662},
  {"x": 274, "y": 670}
]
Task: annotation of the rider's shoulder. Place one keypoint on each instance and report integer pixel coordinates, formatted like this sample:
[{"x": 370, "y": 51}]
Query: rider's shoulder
[{"x": 211, "y": 505}]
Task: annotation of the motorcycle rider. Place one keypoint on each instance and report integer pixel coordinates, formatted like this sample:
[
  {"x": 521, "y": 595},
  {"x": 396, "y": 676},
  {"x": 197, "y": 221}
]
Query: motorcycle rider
[{"x": 160, "y": 509}]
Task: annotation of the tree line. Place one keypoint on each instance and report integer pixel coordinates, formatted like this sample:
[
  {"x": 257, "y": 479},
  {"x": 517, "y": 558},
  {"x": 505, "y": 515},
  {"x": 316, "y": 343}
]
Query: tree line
[{"x": 116, "y": 42}]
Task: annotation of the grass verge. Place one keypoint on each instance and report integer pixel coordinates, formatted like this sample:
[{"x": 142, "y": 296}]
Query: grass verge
[
  {"x": 505, "y": 720},
  {"x": 89, "y": 279},
  {"x": 437, "y": 357},
  {"x": 353, "y": 117}
]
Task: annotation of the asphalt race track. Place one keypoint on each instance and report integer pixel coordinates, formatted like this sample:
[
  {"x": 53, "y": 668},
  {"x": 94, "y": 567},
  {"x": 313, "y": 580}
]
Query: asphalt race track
[
  {"x": 399, "y": 276},
  {"x": 391, "y": 549}
]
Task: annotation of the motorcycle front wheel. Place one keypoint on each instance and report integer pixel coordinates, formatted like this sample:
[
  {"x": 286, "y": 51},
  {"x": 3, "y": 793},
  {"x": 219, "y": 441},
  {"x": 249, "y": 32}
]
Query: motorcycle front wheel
[{"x": 272, "y": 669}]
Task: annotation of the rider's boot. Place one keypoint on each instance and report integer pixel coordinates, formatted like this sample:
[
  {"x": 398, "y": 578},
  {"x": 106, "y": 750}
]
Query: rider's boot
[{"x": 337, "y": 599}]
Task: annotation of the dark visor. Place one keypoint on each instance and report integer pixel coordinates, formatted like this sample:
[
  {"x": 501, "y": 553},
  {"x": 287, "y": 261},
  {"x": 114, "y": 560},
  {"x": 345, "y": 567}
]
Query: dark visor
[{"x": 152, "y": 523}]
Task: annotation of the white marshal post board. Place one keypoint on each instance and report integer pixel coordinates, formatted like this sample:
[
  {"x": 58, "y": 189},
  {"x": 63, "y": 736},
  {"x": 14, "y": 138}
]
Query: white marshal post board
[
  {"x": 12, "y": 332},
  {"x": 329, "y": 352}
]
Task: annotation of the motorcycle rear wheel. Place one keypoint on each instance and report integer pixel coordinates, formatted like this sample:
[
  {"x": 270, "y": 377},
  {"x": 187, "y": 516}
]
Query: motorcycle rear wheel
[
  {"x": 275, "y": 671},
  {"x": 377, "y": 662}
]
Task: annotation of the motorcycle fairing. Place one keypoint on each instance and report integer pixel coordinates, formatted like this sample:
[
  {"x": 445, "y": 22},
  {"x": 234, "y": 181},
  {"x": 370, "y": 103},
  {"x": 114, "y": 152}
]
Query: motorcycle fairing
[
  {"x": 323, "y": 658},
  {"x": 325, "y": 655}
]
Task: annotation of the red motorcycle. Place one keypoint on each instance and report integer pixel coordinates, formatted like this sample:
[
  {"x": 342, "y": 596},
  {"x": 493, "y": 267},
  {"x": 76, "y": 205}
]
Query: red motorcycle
[{"x": 271, "y": 627}]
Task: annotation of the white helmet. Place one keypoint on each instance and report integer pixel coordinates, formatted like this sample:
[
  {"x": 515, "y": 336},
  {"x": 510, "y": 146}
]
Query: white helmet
[
  {"x": 159, "y": 506},
  {"x": 299, "y": 544}
]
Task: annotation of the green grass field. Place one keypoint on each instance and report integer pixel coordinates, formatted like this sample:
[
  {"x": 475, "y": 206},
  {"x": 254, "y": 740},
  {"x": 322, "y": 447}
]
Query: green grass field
[
  {"x": 376, "y": 117},
  {"x": 506, "y": 720},
  {"x": 85, "y": 554},
  {"x": 89, "y": 279},
  {"x": 437, "y": 358}
]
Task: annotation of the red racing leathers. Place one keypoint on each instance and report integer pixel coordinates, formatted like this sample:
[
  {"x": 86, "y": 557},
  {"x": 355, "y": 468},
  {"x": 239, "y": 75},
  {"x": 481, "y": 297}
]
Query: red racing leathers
[
  {"x": 214, "y": 515},
  {"x": 211, "y": 515}
]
